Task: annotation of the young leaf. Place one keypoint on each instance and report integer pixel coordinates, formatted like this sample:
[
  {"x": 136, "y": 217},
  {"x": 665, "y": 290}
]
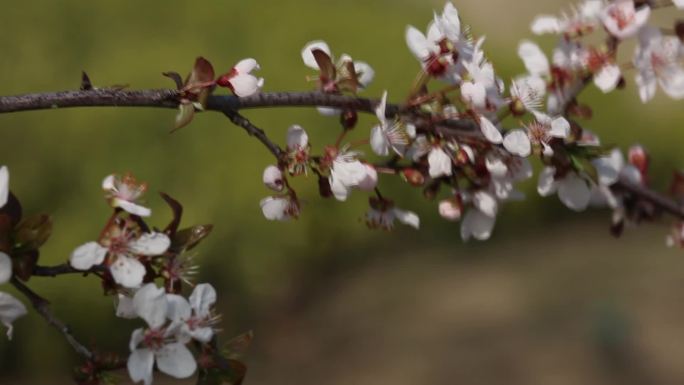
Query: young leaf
[
  {"x": 175, "y": 76},
  {"x": 190, "y": 237},
  {"x": 32, "y": 232},
  {"x": 328, "y": 71},
  {"x": 177, "y": 210},
  {"x": 185, "y": 114}
]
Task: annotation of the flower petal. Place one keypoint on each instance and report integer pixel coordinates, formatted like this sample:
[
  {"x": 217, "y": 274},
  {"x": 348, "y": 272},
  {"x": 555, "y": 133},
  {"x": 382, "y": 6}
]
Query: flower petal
[
  {"x": 125, "y": 308},
  {"x": 607, "y": 77},
  {"x": 273, "y": 178},
  {"x": 534, "y": 59},
  {"x": 307, "y": 54},
  {"x": 439, "y": 162},
  {"x": 131, "y": 207},
  {"x": 518, "y": 143},
  {"x": 150, "y": 244},
  {"x": 5, "y": 268},
  {"x": 275, "y": 208},
  {"x": 4, "y": 185},
  {"x": 87, "y": 256},
  {"x": 477, "y": 225},
  {"x": 244, "y": 85},
  {"x": 547, "y": 184},
  {"x": 408, "y": 218},
  {"x": 378, "y": 141},
  {"x": 486, "y": 203},
  {"x": 417, "y": 43},
  {"x": 127, "y": 272},
  {"x": 10, "y": 310},
  {"x": 246, "y": 66},
  {"x": 574, "y": 192},
  {"x": 177, "y": 309},
  {"x": 151, "y": 304},
  {"x": 176, "y": 360},
  {"x": 203, "y": 297},
  {"x": 140, "y": 364},
  {"x": 297, "y": 137},
  {"x": 490, "y": 131},
  {"x": 609, "y": 167}
]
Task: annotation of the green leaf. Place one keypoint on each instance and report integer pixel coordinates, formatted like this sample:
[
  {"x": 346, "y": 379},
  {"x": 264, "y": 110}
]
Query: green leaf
[
  {"x": 32, "y": 232},
  {"x": 584, "y": 165},
  {"x": 188, "y": 238},
  {"x": 238, "y": 345},
  {"x": 185, "y": 114}
]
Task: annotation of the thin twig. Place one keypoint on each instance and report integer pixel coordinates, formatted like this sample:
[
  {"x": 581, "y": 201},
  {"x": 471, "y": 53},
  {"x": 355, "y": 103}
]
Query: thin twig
[
  {"x": 65, "y": 268},
  {"x": 42, "y": 306},
  {"x": 255, "y": 131}
]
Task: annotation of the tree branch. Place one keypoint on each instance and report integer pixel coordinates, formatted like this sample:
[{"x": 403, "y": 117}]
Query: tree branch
[
  {"x": 42, "y": 306},
  {"x": 65, "y": 268},
  {"x": 229, "y": 105}
]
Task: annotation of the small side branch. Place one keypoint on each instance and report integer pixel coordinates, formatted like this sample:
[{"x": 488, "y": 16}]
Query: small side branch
[
  {"x": 255, "y": 131},
  {"x": 65, "y": 268},
  {"x": 42, "y": 306}
]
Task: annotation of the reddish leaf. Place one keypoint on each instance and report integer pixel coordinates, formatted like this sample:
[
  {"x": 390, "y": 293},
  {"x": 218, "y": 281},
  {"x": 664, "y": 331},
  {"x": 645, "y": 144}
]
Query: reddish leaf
[
  {"x": 177, "y": 210},
  {"x": 325, "y": 64}
]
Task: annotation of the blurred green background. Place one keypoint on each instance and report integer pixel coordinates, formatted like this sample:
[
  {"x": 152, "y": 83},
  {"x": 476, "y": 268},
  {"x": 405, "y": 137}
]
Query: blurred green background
[{"x": 551, "y": 299}]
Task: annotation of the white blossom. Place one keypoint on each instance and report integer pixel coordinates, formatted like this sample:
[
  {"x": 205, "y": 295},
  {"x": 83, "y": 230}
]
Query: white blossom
[
  {"x": 124, "y": 192},
  {"x": 158, "y": 343},
  {"x": 657, "y": 59},
  {"x": 124, "y": 249}
]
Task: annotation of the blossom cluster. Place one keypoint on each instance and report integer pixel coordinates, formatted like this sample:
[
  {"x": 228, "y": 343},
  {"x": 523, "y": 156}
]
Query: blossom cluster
[{"x": 473, "y": 174}]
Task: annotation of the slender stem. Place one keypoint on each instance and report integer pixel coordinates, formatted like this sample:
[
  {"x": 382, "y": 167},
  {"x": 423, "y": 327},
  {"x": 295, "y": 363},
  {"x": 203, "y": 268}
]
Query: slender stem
[
  {"x": 42, "y": 306},
  {"x": 255, "y": 131},
  {"x": 65, "y": 268}
]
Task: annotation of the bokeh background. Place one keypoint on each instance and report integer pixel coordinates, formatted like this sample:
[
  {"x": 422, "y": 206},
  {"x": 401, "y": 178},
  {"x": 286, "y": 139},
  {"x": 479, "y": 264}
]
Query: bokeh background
[{"x": 552, "y": 299}]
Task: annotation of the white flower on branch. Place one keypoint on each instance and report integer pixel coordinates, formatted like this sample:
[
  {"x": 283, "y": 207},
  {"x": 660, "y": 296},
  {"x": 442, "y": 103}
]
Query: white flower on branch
[
  {"x": 383, "y": 213},
  {"x": 158, "y": 343},
  {"x": 273, "y": 178},
  {"x": 122, "y": 249},
  {"x": 582, "y": 19},
  {"x": 440, "y": 162},
  {"x": 10, "y": 307},
  {"x": 657, "y": 60},
  {"x": 623, "y": 20},
  {"x": 4, "y": 185},
  {"x": 441, "y": 50},
  {"x": 388, "y": 134},
  {"x": 280, "y": 208},
  {"x": 124, "y": 192},
  {"x": 348, "y": 172},
  {"x": 240, "y": 79},
  {"x": 195, "y": 317}
]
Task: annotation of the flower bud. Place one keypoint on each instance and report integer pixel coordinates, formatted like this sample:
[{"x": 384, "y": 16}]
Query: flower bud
[
  {"x": 413, "y": 177},
  {"x": 324, "y": 189},
  {"x": 639, "y": 158},
  {"x": 273, "y": 178},
  {"x": 348, "y": 119},
  {"x": 451, "y": 209}
]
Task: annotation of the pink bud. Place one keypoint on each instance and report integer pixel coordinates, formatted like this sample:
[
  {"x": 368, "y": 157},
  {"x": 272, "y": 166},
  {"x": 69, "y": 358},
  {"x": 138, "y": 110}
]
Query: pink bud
[{"x": 451, "y": 209}]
